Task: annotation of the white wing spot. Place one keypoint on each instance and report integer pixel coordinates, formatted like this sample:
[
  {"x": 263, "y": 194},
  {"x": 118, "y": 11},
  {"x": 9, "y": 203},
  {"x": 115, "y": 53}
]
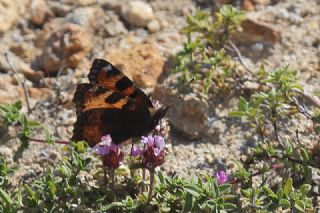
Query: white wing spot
[{"x": 109, "y": 67}]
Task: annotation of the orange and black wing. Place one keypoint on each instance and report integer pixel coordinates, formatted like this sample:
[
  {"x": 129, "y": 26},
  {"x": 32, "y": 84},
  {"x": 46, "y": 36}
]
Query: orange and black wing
[
  {"x": 104, "y": 74},
  {"x": 101, "y": 111}
]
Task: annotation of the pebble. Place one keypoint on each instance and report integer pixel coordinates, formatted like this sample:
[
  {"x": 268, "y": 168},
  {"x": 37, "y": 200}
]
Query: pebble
[
  {"x": 137, "y": 13},
  {"x": 154, "y": 26}
]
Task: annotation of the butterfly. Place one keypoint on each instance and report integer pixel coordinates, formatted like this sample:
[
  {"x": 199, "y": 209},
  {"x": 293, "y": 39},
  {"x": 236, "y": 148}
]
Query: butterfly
[{"x": 111, "y": 104}]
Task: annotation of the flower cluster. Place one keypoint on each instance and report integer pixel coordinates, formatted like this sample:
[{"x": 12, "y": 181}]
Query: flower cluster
[
  {"x": 154, "y": 151},
  {"x": 222, "y": 177},
  {"x": 110, "y": 153}
]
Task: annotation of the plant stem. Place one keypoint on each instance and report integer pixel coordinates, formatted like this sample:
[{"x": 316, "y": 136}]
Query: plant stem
[
  {"x": 113, "y": 185},
  {"x": 151, "y": 185},
  {"x": 21, "y": 82},
  {"x": 43, "y": 141}
]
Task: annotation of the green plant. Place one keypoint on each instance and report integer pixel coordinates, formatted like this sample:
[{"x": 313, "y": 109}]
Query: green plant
[
  {"x": 203, "y": 57},
  {"x": 11, "y": 115}
]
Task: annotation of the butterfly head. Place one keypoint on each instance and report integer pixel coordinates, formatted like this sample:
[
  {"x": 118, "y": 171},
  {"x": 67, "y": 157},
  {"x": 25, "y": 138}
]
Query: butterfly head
[{"x": 156, "y": 116}]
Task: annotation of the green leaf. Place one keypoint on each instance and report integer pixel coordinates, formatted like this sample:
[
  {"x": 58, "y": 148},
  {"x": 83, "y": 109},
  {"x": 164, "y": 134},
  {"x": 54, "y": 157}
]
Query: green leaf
[
  {"x": 5, "y": 197},
  {"x": 305, "y": 188},
  {"x": 300, "y": 206},
  {"x": 305, "y": 155},
  {"x": 188, "y": 203},
  {"x": 285, "y": 204},
  {"x": 112, "y": 205},
  {"x": 224, "y": 187},
  {"x": 269, "y": 192},
  {"x": 317, "y": 129},
  {"x": 287, "y": 187},
  {"x": 247, "y": 192},
  {"x": 280, "y": 193},
  {"x": 29, "y": 191},
  {"x": 193, "y": 190},
  {"x": 229, "y": 206}
]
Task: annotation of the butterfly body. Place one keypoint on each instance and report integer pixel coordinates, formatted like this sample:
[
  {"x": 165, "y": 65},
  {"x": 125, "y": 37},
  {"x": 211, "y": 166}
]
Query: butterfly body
[{"x": 112, "y": 104}]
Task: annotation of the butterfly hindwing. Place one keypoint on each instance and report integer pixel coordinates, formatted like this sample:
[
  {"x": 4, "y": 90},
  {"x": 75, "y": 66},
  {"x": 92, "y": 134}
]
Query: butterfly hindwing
[{"x": 104, "y": 74}]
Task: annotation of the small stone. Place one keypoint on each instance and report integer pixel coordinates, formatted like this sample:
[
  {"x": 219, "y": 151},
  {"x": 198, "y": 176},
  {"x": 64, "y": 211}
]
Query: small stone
[
  {"x": 295, "y": 19},
  {"x": 257, "y": 47},
  {"x": 60, "y": 9},
  {"x": 283, "y": 13},
  {"x": 22, "y": 50},
  {"x": 6, "y": 152},
  {"x": 153, "y": 26},
  {"x": 137, "y": 13},
  {"x": 255, "y": 30},
  {"x": 114, "y": 28},
  {"x": 248, "y": 5},
  {"x": 39, "y": 12},
  {"x": 87, "y": 17},
  {"x": 83, "y": 2}
]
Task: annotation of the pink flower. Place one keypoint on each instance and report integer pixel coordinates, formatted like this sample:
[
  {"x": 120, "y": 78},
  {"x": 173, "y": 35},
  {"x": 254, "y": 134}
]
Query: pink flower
[
  {"x": 222, "y": 177},
  {"x": 110, "y": 153},
  {"x": 154, "y": 153},
  {"x": 136, "y": 151}
]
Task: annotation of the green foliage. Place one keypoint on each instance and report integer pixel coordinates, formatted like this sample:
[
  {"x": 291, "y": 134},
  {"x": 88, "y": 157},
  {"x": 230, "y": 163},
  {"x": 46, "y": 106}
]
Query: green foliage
[
  {"x": 11, "y": 115},
  {"x": 286, "y": 197},
  {"x": 277, "y": 103},
  {"x": 273, "y": 104},
  {"x": 181, "y": 195},
  {"x": 203, "y": 57}
]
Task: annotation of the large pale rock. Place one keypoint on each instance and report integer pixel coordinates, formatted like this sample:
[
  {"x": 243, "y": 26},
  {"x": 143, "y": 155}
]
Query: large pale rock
[
  {"x": 65, "y": 47},
  {"x": 10, "y": 11},
  {"x": 188, "y": 115},
  {"x": 142, "y": 63},
  {"x": 137, "y": 13}
]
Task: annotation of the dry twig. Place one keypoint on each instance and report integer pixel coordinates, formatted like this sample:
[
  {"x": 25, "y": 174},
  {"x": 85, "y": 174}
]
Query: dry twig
[{"x": 21, "y": 82}]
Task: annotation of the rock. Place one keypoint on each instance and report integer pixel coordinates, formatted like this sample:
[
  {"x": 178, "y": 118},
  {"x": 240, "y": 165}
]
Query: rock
[
  {"x": 59, "y": 8},
  {"x": 262, "y": 2},
  {"x": 258, "y": 31},
  {"x": 248, "y": 5},
  {"x": 142, "y": 62},
  {"x": 137, "y": 13},
  {"x": 39, "y": 93},
  {"x": 86, "y": 17},
  {"x": 188, "y": 116},
  {"x": 23, "y": 50},
  {"x": 83, "y": 2},
  {"x": 20, "y": 66},
  {"x": 66, "y": 46},
  {"x": 7, "y": 153},
  {"x": 153, "y": 26},
  {"x": 11, "y": 91},
  {"x": 9, "y": 14},
  {"x": 115, "y": 26},
  {"x": 39, "y": 12}
]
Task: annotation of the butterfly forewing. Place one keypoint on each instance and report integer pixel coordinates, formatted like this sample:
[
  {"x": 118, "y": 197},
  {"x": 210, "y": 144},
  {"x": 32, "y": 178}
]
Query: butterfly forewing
[{"x": 104, "y": 74}]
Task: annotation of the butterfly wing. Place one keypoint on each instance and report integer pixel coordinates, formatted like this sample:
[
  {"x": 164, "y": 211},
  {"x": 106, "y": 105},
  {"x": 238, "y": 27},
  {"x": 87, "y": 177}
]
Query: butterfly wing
[
  {"x": 104, "y": 74},
  {"x": 101, "y": 111}
]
